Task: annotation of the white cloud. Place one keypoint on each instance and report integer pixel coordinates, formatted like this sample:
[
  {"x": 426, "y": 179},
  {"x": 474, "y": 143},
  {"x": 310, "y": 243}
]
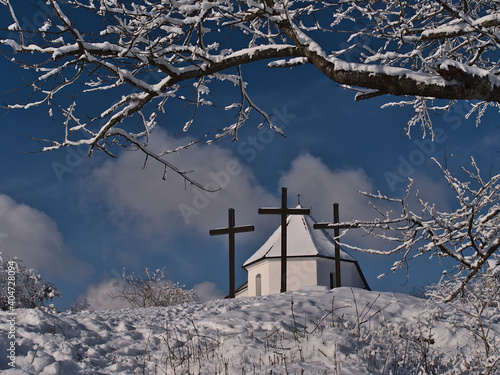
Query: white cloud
[
  {"x": 140, "y": 199},
  {"x": 103, "y": 296},
  {"x": 431, "y": 190},
  {"x": 319, "y": 187},
  {"x": 34, "y": 238},
  {"x": 208, "y": 291}
]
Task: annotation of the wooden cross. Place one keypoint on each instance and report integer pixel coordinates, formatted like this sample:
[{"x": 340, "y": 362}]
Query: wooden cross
[
  {"x": 283, "y": 211},
  {"x": 231, "y": 230},
  {"x": 336, "y": 235}
]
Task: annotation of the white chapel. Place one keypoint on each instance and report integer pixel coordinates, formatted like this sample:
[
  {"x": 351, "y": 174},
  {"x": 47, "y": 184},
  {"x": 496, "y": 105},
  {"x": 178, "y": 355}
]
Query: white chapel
[{"x": 310, "y": 261}]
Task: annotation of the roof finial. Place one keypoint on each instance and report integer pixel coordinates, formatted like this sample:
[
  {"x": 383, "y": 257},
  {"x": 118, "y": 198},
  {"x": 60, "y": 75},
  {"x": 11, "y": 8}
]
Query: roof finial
[{"x": 298, "y": 199}]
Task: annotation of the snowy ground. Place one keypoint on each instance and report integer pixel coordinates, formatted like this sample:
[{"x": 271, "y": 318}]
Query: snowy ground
[{"x": 342, "y": 331}]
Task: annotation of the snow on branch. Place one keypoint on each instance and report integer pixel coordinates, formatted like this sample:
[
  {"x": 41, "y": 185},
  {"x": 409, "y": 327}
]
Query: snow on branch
[
  {"x": 151, "y": 57},
  {"x": 470, "y": 235}
]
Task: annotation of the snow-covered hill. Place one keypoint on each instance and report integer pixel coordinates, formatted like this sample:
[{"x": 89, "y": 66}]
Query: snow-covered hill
[{"x": 314, "y": 331}]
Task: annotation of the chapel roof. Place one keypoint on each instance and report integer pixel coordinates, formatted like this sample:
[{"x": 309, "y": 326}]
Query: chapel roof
[{"x": 302, "y": 240}]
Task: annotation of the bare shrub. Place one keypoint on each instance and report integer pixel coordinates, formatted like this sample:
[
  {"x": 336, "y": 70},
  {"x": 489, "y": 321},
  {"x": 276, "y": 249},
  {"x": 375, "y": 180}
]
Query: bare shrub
[{"x": 151, "y": 289}]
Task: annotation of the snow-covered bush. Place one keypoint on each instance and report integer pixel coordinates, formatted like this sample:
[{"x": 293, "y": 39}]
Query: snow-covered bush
[
  {"x": 151, "y": 289},
  {"x": 22, "y": 287},
  {"x": 475, "y": 310},
  {"x": 79, "y": 305}
]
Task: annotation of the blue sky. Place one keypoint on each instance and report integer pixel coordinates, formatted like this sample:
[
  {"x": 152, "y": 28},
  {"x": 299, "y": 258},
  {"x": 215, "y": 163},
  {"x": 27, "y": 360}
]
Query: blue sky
[{"x": 80, "y": 220}]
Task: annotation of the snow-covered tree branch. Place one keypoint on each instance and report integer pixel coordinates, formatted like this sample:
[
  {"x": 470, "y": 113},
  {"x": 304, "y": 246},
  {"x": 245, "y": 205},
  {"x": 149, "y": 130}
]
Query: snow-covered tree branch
[
  {"x": 470, "y": 235},
  {"x": 151, "y": 56}
]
